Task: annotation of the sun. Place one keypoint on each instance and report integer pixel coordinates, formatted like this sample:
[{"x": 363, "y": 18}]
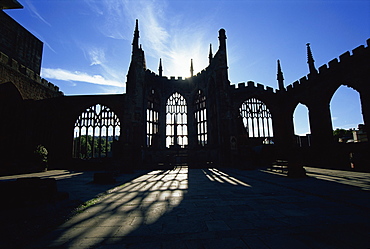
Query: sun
[{"x": 179, "y": 63}]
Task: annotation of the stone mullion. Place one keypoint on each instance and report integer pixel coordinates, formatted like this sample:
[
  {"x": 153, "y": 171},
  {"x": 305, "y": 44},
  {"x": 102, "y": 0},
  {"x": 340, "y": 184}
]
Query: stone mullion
[
  {"x": 100, "y": 129},
  {"x": 93, "y": 139},
  {"x": 106, "y": 140}
]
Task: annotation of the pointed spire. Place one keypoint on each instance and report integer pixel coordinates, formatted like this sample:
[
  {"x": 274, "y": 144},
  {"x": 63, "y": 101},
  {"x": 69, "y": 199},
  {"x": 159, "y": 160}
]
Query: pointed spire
[
  {"x": 310, "y": 60},
  {"x": 160, "y": 69},
  {"x": 135, "y": 42},
  {"x": 210, "y": 57},
  {"x": 280, "y": 77},
  {"x": 191, "y": 68}
]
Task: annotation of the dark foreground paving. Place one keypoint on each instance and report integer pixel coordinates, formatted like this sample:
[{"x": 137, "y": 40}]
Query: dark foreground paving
[{"x": 211, "y": 208}]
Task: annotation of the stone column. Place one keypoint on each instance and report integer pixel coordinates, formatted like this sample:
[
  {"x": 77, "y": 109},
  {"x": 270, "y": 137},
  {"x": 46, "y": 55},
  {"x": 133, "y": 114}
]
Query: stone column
[
  {"x": 322, "y": 134},
  {"x": 321, "y": 124}
]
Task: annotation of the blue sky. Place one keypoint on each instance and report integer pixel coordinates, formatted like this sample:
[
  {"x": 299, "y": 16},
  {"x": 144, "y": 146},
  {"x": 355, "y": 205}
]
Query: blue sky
[{"x": 87, "y": 43}]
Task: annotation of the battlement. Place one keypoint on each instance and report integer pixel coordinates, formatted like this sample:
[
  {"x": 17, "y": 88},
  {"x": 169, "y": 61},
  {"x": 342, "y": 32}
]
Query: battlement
[
  {"x": 179, "y": 78},
  {"x": 200, "y": 73},
  {"x": 347, "y": 57},
  {"x": 10, "y": 62},
  {"x": 171, "y": 78},
  {"x": 251, "y": 86}
]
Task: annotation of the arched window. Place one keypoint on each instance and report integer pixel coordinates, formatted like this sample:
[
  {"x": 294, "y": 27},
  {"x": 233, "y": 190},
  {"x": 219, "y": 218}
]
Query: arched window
[
  {"x": 176, "y": 121},
  {"x": 302, "y": 130},
  {"x": 152, "y": 116},
  {"x": 201, "y": 118},
  {"x": 347, "y": 119},
  {"x": 256, "y": 118},
  {"x": 95, "y": 131}
]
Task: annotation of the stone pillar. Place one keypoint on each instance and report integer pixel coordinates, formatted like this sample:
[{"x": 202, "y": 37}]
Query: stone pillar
[
  {"x": 322, "y": 133},
  {"x": 285, "y": 146},
  {"x": 283, "y": 129},
  {"x": 192, "y": 129},
  {"x": 320, "y": 124},
  {"x": 162, "y": 125}
]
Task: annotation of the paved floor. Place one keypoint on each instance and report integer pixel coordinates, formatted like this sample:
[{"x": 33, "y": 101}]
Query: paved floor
[{"x": 221, "y": 208}]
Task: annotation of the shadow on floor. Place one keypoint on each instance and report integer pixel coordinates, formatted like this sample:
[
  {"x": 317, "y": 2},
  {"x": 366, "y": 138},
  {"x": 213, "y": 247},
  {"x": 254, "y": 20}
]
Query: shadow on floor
[
  {"x": 27, "y": 221},
  {"x": 212, "y": 208}
]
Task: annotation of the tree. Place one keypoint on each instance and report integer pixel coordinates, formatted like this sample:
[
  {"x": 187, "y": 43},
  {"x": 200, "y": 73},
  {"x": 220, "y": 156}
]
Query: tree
[
  {"x": 342, "y": 134},
  {"x": 41, "y": 156},
  {"x": 84, "y": 148}
]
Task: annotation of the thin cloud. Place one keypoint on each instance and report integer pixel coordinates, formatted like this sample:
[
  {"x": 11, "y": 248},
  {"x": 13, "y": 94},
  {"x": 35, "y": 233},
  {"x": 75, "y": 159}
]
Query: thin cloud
[
  {"x": 110, "y": 90},
  {"x": 97, "y": 56},
  {"x": 97, "y": 59},
  {"x": 33, "y": 9},
  {"x": 65, "y": 75},
  {"x": 42, "y": 38},
  {"x": 171, "y": 38}
]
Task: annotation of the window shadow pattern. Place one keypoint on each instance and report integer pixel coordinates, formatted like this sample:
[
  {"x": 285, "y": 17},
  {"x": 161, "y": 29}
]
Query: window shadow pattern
[
  {"x": 149, "y": 205},
  {"x": 213, "y": 208}
]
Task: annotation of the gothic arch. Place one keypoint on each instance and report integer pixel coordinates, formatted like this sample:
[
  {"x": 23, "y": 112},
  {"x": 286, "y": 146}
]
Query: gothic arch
[
  {"x": 299, "y": 112},
  {"x": 95, "y": 131},
  {"x": 184, "y": 94},
  {"x": 354, "y": 106},
  {"x": 301, "y": 125},
  {"x": 9, "y": 92},
  {"x": 257, "y": 118},
  {"x": 11, "y": 102},
  {"x": 176, "y": 121}
]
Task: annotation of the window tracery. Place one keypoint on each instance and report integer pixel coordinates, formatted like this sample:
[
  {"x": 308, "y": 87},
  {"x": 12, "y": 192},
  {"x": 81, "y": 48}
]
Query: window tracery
[
  {"x": 176, "y": 121},
  {"x": 95, "y": 131},
  {"x": 257, "y": 118},
  {"x": 152, "y": 117},
  {"x": 201, "y": 118}
]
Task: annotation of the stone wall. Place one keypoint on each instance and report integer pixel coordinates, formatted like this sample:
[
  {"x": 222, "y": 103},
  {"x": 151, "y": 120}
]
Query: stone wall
[
  {"x": 29, "y": 84},
  {"x": 19, "y": 44}
]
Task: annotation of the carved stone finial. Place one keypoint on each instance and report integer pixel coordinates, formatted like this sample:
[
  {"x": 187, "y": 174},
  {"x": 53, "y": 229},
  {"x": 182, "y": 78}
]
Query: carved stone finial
[
  {"x": 210, "y": 57},
  {"x": 310, "y": 60},
  {"x": 160, "y": 69},
  {"x": 280, "y": 77}
]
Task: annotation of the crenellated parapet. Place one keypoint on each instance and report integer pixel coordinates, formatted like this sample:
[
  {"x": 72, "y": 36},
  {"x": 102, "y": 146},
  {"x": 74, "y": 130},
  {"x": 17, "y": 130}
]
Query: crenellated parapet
[
  {"x": 302, "y": 82},
  {"x": 201, "y": 73},
  {"x": 336, "y": 68},
  {"x": 244, "y": 91},
  {"x": 158, "y": 77},
  {"x": 251, "y": 87},
  {"x": 178, "y": 78},
  {"x": 30, "y": 74}
]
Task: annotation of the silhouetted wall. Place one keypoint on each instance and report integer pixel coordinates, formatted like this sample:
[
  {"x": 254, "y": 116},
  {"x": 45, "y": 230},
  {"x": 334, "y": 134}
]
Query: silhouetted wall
[
  {"x": 19, "y": 44},
  {"x": 37, "y": 113}
]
